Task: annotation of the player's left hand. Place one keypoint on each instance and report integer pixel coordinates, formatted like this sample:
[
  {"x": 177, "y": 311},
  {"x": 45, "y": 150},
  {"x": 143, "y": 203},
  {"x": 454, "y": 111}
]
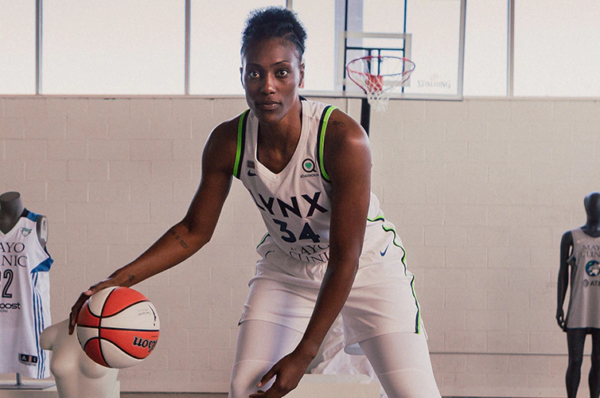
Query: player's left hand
[{"x": 287, "y": 372}]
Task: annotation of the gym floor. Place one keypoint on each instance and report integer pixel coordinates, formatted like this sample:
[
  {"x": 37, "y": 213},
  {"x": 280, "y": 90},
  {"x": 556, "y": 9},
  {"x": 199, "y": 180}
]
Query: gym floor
[{"x": 200, "y": 395}]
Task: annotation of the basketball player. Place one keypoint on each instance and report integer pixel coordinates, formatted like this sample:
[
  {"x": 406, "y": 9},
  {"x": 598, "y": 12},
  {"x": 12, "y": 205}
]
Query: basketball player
[
  {"x": 328, "y": 249},
  {"x": 24, "y": 288},
  {"x": 580, "y": 248}
]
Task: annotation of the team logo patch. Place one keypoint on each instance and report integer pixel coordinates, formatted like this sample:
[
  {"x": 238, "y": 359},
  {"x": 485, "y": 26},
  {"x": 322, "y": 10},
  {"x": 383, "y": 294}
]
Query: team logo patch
[
  {"x": 308, "y": 165},
  {"x": 250, "y": 164},
  {"x": 30, "y": 360},
  {"x": 592, "y": 268},
  {"x": 25, "y": 231}
]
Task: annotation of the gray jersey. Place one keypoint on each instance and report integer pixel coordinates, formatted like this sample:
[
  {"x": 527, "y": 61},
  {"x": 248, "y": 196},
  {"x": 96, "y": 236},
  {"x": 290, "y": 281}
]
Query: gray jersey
[{"x": 584, "y": 303}]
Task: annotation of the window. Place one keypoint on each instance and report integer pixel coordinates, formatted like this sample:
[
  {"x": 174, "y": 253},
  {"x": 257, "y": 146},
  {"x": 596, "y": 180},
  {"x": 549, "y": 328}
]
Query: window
[
  {"x": 113, "y": 47},
  {"x": 17, "y": 47},
  {"x": 131, "y": 47},
  {"x": 486, "y": 48},
  {"x": 215, "y": 44},
  {"x": 557, "y": 52},
  {"x": 320, "y": 54}
]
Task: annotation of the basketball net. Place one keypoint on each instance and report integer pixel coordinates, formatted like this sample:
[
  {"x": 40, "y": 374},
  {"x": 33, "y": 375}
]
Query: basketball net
[{"x": 379, "y": 86}]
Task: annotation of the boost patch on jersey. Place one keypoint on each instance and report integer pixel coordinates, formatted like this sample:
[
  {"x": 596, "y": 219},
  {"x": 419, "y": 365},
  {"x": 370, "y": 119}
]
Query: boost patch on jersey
[{"x": 30, "y": 360}]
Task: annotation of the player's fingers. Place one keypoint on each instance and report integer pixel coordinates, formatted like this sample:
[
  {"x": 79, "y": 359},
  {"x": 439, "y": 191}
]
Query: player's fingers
[
  {"x": 76, "y": 308},
  {"x": 74, "y": 312},
  {"x": 268, "y": 376},
  {"x": 80, "y": 301}
]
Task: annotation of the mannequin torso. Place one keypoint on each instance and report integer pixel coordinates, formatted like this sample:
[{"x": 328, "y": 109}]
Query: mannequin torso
[{"x": 76, "y": 375}]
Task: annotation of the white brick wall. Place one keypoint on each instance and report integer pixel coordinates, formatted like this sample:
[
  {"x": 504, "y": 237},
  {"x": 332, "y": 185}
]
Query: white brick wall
[{"x": 480, "y": 190}]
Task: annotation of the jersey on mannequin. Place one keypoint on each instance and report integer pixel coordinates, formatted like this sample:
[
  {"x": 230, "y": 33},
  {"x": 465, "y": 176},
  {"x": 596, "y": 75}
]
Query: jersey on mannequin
[
  {"x": 25, "y": 283},
  {"x": 580, "y": 251},
  {"x": 76, "y": 375}
]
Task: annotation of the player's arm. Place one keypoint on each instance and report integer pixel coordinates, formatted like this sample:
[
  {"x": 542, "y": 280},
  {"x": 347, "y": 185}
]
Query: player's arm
[
  {"x": 194, "y": 231},
  {"x": 566, "y": 244},
  {"x": 348, "y": 163}
]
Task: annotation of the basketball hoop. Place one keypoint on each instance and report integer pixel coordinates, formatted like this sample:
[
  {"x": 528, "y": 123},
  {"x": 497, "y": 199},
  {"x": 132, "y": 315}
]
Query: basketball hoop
[{"x": 391, "y": 72}]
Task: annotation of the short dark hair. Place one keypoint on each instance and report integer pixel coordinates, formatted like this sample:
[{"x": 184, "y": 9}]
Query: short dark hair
[{"x": 274, "y": 22}]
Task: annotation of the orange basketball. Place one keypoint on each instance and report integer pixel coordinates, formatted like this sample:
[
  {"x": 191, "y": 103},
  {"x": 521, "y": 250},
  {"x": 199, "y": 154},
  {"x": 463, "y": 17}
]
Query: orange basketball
[{"x": 118, "y": 327}]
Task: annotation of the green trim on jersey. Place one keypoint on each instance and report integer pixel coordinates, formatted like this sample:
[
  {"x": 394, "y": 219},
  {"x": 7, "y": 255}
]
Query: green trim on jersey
[
  {"x": 378, "y": 218},
  {"x": 418, "y": 328},
  {"x": 262, "y": 240},
  {"x": 321, "y": 139},
  {"x": 386, "y": 229},
  {"x": 241, "y": 141}
]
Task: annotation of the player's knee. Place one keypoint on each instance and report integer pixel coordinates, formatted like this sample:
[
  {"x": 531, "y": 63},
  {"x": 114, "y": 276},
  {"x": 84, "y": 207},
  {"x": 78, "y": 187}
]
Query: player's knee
[{"x": 245, "y": 375}]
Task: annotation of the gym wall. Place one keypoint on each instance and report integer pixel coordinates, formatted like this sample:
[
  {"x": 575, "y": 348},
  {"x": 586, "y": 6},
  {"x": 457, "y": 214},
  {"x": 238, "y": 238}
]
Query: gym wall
[{"x": 480, "y": 191}]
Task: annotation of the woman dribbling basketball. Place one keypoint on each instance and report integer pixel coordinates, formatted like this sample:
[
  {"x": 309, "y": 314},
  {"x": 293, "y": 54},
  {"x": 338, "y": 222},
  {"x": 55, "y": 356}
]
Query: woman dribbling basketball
[{"x": 328, "y": 248}]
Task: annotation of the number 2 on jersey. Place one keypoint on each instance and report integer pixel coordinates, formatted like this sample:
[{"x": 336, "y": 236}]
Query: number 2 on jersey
[{"x": 8, "y": 278}]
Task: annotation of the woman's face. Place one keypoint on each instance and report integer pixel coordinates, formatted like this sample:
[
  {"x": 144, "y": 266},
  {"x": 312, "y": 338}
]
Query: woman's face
[{"x": 271, "y": 75}]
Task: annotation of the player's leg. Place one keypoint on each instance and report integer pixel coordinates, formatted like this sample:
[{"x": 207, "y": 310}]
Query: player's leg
[
  {"x": 594, "y": 377},
  {"x": 401, "y": 361},
  {"x": 260, "y": 345},
  {"x": 575, "y": 343}
]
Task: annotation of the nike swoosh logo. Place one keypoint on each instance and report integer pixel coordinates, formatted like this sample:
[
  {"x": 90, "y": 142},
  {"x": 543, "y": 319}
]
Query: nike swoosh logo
[
  {"x": 385, "y": 251},
  {"x": 251, "y": 174}
]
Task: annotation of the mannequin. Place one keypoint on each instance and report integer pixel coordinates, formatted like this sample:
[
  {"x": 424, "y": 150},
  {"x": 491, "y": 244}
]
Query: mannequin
[
  {"x": 580, "y": 249},
  {"x": 11, "y": 209},
  {"x": 25, "y": 285},
  {"x": 76, "y": 375}
]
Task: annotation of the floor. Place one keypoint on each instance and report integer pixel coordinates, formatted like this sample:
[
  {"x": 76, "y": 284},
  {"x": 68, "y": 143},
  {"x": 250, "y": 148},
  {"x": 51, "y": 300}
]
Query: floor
[
  {"x": 172, "y": 395},
  {"x": 194, "y": 395}
]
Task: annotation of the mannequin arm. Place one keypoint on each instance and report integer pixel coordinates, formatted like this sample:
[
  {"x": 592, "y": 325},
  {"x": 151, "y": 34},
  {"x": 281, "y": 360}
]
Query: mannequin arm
[{"x": 566, "y": 246}]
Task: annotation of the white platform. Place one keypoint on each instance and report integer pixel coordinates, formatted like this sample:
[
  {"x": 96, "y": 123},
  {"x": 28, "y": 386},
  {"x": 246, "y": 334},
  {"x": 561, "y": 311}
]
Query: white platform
[
  {"x": 336, "y": 386},
  {"x": 46, "y": 393}
]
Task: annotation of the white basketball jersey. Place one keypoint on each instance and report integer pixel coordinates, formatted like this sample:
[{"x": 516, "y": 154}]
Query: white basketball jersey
[
  {"x": 584, "y": 301},
  {"x": 296, "y": 208},
  {"x": 295, "y": 203},
  {"x": 24, "y": 299}
]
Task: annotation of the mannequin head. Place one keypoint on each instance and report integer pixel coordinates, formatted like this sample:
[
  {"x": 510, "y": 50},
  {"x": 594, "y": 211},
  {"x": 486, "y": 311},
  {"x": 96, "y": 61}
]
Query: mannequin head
[
  {"x": 9, "y": 197},
  {"x": 592, "y": 207},
  {"x": 11, "y": 208}
]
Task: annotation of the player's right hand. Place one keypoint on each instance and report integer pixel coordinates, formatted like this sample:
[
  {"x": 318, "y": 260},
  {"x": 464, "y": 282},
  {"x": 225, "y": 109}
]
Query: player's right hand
[{"x": 83, "y": 298}]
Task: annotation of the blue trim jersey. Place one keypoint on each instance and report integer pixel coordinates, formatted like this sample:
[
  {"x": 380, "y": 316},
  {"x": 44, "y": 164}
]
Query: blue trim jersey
[
  {"x": 584, "y": 301},
  {"x": 24, "y": 299},
  {"x": 295, "y": 205}
]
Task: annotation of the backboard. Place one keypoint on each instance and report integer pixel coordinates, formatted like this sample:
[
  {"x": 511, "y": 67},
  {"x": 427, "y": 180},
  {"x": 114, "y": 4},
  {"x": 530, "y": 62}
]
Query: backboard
[{"x": 428, "y": 32}]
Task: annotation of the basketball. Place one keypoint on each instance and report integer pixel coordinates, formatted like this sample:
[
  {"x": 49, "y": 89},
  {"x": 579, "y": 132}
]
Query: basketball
[{"x": 118, "y": 327}]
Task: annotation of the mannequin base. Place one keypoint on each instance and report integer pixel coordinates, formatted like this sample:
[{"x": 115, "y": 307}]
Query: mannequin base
[{"x": 34, "y": 389}]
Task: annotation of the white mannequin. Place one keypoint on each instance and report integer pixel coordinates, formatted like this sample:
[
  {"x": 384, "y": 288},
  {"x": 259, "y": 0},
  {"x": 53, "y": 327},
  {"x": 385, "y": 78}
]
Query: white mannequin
[{"x": 76, "y": 375}]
